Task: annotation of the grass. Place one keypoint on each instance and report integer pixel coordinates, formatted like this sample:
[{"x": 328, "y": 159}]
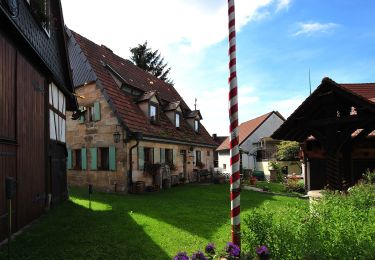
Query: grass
[
  {"x": 272, "y": 186},
  {"x": 148, "y": 226}
]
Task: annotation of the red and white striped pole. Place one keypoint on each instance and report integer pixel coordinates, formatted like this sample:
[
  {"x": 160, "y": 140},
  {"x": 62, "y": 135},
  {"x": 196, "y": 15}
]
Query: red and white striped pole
[{"x": 233, "y": 116}]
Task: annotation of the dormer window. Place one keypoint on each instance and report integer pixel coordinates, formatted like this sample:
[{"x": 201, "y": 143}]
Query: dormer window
[
  {"x": 178, "y": 116},
  {"x": 153, "y": 111},
  {"x": 196, "y": 125}
]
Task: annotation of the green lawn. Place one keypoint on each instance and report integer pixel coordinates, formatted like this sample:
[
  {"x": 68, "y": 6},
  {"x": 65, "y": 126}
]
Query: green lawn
[
  {"x": 272, "y": 186},
  {"x": 149, "y": 226}
]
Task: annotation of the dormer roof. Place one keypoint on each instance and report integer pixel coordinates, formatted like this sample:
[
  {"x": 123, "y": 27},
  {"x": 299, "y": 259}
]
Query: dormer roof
[
  {"x": 172, "y": 106},
  {"x": 194, "y": 114},
  {"x": 147, "y": 96}
]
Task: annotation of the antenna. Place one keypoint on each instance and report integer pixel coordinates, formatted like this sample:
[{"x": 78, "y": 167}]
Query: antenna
[
  {"x": 310, "y": 81},
  {"x": 195, "y": 104}
]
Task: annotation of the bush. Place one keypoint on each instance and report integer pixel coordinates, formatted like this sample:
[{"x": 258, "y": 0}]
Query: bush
[
  {"x": 339, "y": 226},
  {"x": 369, "y": 176},
  {"x": 294, "y": 185}
]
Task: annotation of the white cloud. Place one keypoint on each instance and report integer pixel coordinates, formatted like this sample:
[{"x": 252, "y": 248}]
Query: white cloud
[
  {"x": 182, "y": 30},
  {"x": 282, "y": 4},
  {"x": 314, "y": 28}
]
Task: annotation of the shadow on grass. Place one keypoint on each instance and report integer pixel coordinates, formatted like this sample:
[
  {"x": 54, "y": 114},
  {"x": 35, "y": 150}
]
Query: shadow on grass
[
  {"x": 199, "y": 209},
  {"x": 72, "y": 231}
]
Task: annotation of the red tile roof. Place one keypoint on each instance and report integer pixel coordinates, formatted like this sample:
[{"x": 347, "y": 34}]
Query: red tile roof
[
  {"x": 123, "y": 103},
  {"x": 247, "y": 128},
  {"x": 365, "y": 90}
]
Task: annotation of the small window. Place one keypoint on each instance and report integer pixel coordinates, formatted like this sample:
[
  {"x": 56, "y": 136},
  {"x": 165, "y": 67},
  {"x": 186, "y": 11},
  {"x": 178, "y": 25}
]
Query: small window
[
  {"x": 198, "y": 156},
  {"x": 148, "y": 155},
  {"x": 89, "y": 115},
  {"x": 153, "y": 112},
  {"x": 169, "y": 156},
  {"x": 177, "y": 120},
  {"x": 196, "y": 126},
  {"x": 224, "y": 166},
  {"x": 77, "y": 159},
  {"x": 103, "y": 156}
]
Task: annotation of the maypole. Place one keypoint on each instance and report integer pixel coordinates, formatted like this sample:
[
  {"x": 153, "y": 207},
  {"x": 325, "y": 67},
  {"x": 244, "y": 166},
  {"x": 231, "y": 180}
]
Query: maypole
[{"x": 233, "y": 116}]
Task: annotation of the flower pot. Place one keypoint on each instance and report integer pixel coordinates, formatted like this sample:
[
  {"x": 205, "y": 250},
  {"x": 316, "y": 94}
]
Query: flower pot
[{"x": 253, "y": 181}]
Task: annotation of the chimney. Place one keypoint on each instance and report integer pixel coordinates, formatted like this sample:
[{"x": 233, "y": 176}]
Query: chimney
[{"x": 214, "y": 136}]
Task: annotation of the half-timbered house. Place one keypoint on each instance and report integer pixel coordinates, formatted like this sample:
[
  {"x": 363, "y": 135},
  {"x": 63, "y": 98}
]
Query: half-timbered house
[{"x": 35, "y": 92}]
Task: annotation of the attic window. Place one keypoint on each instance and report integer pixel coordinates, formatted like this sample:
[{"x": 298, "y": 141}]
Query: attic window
[
  {"x": 178, "y": 116},
  {"x": 196, "y": 125},
  {"x": 41, "y": 10},
  {"x": 153, "y": 111}
]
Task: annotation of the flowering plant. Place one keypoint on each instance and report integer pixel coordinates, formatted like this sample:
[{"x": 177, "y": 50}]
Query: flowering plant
[
  {"x": 181, "y": 256},
  {"x": 262, "y": 252},
  {"x": 233, "y": 250},
  {"x": 198, "y": 256}
]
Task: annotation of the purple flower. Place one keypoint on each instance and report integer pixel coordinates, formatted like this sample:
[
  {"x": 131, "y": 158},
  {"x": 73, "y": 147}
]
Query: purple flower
[
  {"x": 262, "y": 250},
  {"x": 233, "y": 249},
  {"x": 181, "y": 256},
  {"x": 198, "y": 256},
  {"x": 210, "y": 248}
]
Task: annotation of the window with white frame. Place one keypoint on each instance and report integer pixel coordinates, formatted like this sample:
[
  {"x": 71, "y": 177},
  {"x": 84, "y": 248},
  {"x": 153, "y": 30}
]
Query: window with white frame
[
  {"x": 196, "y": 125},
  {"x": 57, "y": 106},
  {"x": 153, "y": 111},
  {"x": 178, "y": 119}
]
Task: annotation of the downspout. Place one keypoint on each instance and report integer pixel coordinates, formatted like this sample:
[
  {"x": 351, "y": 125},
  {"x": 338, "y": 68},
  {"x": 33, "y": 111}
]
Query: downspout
[{"x": 137, "y": 136}]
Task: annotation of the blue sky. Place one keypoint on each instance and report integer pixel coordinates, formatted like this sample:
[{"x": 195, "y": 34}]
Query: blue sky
[{"x": 278, "y": 41}]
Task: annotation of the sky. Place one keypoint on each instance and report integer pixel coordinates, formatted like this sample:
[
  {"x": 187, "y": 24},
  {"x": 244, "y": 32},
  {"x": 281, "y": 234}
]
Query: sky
[{"x": 278, "y": 43}]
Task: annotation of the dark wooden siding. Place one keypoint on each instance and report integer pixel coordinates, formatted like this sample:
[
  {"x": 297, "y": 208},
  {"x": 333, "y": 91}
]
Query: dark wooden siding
[
  {"x": 8, "y": 166},
  {"x": 7, "y": 90},
  {"x": 31, "y": 129}
]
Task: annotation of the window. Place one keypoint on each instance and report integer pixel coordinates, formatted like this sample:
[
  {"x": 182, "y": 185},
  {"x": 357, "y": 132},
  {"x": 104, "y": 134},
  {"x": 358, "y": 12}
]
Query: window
[
  {"x": 153, "y": 112},
  {"x": 77, "y": 159},
  {"x": 169, "y": 156},
  {"x": 103, "y": 156},
  {"x": 198, "y": 157},
  {"x": 149, "y": 157},
  {"x": 57, "y": 117},
  {"x": 196, "y": 126},
  {"x": 224, "y": 166},
  {"x": 41, "y": 10},
  {"x": 92, "y": 113},
  {"x": 177, "y": 119}
]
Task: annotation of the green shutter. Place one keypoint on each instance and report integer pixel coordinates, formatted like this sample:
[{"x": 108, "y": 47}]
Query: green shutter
[
  {"x": 162, "y": 155},
  {"x": 112, "y": 158},
  {"x": 156, "y": 155},
  {"x": 96, "y": 111},
  {"x": 81, "y": 118},
  {"x": 94, "y": 158},
  {"x": 174, "y": 157},
  {"x": 141, "y": 158},
  {"x": 83, "y": 159},
  {"x": 69, "y": 165}
]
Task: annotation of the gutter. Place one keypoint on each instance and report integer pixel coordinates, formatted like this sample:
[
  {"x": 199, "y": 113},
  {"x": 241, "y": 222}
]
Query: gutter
[
  {"x": 137, "y": 136},
  {"x": 176, "y": 142}
]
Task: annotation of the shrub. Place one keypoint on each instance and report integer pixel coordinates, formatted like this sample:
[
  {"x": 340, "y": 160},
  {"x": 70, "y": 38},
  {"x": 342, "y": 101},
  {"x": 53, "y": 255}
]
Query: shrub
[
  {"x": 369, "y": 176},
  {"x": 294, "y": 185},
  {"x": 339, "y": 226}
]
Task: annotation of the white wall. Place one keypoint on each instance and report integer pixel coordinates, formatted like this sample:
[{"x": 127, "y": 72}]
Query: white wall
[
  {"x": 265, "y": 130},
  {"x": 224, "y": 158}
]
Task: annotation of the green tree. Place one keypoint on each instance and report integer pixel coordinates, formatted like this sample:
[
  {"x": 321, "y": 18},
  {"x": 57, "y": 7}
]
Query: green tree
[
  {"x": 288, "y": 151},
  {"x": 150, "y": 61}
]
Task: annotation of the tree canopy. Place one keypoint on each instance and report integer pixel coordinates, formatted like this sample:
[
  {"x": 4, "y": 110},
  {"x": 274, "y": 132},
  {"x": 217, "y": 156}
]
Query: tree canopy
[
  {"x": 150, "y": 61},
  {"x": 287, "y": 151}
]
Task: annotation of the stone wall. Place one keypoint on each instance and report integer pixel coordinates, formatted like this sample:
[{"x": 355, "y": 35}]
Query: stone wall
[{"x": 96, "y": 134}]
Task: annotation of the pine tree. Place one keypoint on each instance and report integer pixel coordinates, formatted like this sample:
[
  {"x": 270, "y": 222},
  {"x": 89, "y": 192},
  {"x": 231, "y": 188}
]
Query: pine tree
[{"x": 150, "y": 61}]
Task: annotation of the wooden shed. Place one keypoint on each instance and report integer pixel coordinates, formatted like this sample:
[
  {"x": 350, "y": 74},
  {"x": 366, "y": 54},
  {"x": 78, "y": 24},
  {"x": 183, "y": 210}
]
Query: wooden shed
[
  {"x": 35, "y": 91},
  {"x": 335, "y": 126}
]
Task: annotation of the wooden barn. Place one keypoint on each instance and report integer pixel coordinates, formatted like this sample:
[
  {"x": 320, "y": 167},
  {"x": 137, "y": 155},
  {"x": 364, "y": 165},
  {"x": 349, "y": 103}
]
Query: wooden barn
[
  {"x": 335, "y": 125},
  {"x": 35, "y": 92}
]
